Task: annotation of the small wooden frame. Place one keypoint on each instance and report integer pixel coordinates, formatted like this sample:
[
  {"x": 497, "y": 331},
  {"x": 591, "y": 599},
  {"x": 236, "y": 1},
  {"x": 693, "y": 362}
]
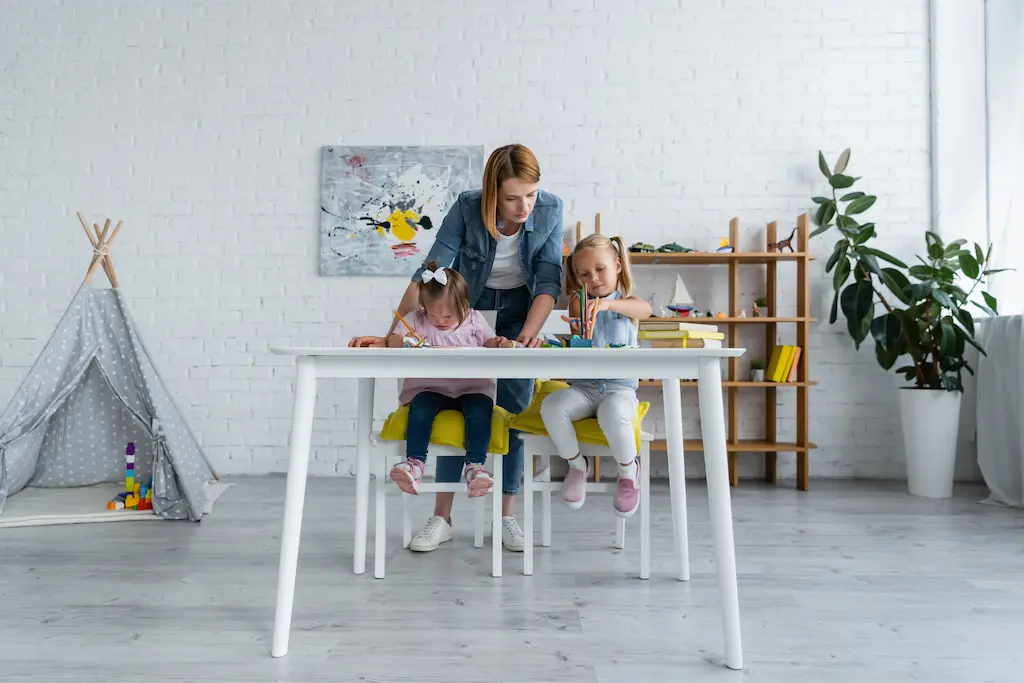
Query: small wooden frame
[{"x": 101, "y": 247}]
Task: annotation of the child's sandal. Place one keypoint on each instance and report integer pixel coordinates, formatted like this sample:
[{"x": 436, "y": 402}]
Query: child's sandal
[
  {"x": 478, "y": 480},
  {"x": 408, "y": 475}
]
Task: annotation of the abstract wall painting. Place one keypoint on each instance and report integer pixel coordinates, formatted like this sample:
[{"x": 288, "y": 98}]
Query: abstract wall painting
[{"x": 381, "y": 207}]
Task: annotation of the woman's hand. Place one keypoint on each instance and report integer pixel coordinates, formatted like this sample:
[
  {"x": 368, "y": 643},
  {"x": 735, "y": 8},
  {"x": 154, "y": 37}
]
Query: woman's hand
[
  {"x": 495, "y": 342},
  {"x": 367, "y": 342},
  {"x": 529, "y": 342}
]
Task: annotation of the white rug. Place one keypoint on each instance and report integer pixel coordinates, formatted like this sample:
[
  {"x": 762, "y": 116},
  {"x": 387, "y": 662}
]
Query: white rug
[{"x": 80, "y": 505}]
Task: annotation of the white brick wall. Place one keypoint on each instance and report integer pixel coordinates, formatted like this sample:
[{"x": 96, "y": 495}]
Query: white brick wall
[{"x": 199, "y": 123}]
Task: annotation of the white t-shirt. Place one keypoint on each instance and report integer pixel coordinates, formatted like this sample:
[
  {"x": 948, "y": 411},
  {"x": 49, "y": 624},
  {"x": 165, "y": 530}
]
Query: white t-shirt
[{"x": 507, "y": 273}]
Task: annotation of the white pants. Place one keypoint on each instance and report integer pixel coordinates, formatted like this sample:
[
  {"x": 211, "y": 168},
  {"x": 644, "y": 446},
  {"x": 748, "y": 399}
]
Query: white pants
[{"x": 615, "y": 410}]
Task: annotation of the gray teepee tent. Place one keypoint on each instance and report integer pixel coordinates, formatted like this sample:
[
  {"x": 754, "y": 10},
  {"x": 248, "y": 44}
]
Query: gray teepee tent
[{"x": 92, "y": 390}]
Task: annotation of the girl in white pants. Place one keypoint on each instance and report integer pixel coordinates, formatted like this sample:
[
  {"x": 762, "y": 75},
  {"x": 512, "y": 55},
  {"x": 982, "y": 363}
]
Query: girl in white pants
[{"x": 603, "y": 265}]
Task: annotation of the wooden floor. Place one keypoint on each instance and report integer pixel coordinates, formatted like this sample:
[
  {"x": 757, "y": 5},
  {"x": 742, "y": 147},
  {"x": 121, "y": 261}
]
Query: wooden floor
[{"x": 851, "y": 582}]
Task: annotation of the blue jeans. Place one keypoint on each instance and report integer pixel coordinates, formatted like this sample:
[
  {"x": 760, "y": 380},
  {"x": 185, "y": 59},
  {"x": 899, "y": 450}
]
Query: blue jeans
[
  {"x": 424, "y": 407},
  {"x": 514, "y": 395}
]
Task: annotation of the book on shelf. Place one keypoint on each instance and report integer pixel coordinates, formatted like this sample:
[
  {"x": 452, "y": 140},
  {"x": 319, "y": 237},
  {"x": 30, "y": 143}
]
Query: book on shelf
[
  {"x": 664, "y": 325},
  {"x": 783, "y": 364},
  {"x": 680, "y": 334}
]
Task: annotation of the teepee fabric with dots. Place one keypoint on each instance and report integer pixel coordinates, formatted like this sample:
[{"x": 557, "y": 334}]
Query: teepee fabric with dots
[{"x": 92, "y": 390}]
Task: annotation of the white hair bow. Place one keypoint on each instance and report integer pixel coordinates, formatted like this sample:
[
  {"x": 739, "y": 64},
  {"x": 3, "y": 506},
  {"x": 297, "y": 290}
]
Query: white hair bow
[{"x": 439, "y": 275}]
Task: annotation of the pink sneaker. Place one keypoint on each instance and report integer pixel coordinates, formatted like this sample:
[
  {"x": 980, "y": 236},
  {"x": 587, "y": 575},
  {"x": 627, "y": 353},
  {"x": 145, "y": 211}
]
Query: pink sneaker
[
  {"x": 627, "y": 494},
  {"x": 574, "y": 486},
  {"x": 478, "y": 480},
  {"x": 408, "y": 475}
]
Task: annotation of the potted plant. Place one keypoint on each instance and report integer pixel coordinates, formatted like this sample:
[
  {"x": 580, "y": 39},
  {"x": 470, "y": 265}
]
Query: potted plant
[
  {"x": 921, "y": 311},
  {"x": 756, "y": 370},
  {"x": 760, "y": 307}
]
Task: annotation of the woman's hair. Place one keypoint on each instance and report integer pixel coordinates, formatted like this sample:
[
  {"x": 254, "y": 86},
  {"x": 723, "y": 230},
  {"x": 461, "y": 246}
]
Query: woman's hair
[
  {"x": 510, "y": 161},
  {"x": 455, "y": 291},
  {"x": 612, "y": 244}
]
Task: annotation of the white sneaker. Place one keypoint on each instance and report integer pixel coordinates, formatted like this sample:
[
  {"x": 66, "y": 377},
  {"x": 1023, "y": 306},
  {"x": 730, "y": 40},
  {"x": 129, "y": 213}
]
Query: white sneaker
[
  {"x": 512, "y": 537},
  {"x": 435, "y": 532}
]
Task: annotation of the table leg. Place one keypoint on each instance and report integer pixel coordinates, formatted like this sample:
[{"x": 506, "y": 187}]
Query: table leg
[
  {"x": 295, "y": 495},
  {"x": 712, "y": 421},
  {"x": 496, "y": 497},
  {"x": 676, "y": 472},
  {"x": 364, "y": 425},
  {"x": 528, "y": 513}
]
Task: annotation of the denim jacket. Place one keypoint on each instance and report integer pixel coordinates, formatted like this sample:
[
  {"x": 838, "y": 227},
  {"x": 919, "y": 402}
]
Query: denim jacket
[{"x": 464, "y": 244}]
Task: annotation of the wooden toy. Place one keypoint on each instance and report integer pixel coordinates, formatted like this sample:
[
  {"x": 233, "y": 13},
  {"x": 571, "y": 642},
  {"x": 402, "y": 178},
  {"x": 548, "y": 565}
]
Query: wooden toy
[
  {"x": 129, "y": 478},
  {"x": 724, "y": 247},
  {"x": 782, "y": 244},
  {"x": 577, "y": 342}
]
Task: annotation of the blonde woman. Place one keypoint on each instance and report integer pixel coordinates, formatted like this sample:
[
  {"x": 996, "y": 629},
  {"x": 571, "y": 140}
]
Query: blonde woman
[{"x": 505, "y": 239}]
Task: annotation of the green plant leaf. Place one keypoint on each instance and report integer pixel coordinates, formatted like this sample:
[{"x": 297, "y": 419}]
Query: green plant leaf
[
  {"x": 842, "y": 161},
  {"x": 935, "y": 251},
  {"x": 820, "y": 200},
  {"x": 830, "y": 212},
  {"x": 886, "y": 357},
  {"x": 897, "y": 283},
  {"x": 953, "y": 248},
  {"x": 966, "y": 319},
  {"x": 841, "y": 275},
  {"x": 823, "y": 165},
  {"x": 979, "y": 255},
  {"x": 869, "y": 262},
  {"x": 922, "y": 272},
  {"x": 920, "y": 290},
  {"x": 969, "y": 265},
  {"x": 851, "y": 196},
  {"x": 820, "y": 229},
  {"x": 848, "y": 301},
  {"x": 838, "y": 252},
  {"x": 840, "y": 181},
  {"x": 991, "y": 301},
  {"x": 997, "y": 270},
  {"x": 942, "y": 298},
  {"x": 932, "y": 238},
  {"x": 947, "y": 339},
  {"x": 970, "y": 340},
  {"x": 887, "y": 329},
  {"x": 860, "y": 205},
  {"x": 865, "y": 233},
  {"x": 885, "y": 257}
]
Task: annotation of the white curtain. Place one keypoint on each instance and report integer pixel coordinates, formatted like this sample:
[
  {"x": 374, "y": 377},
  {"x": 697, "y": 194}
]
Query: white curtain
[{"x": 1004, "y": 65}]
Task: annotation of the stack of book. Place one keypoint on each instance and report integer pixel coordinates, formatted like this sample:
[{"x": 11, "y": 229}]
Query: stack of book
[
  {"x": 783, "y": 365},
  {"x": 660, "y": 334}
]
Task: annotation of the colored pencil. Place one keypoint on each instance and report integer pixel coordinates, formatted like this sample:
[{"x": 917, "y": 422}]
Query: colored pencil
[
  {"x": 414, "y": 332},
  {"x": 586, "y": 318}
]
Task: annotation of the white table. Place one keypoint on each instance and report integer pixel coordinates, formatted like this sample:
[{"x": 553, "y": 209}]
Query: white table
[{"x": 366, "y": 365}]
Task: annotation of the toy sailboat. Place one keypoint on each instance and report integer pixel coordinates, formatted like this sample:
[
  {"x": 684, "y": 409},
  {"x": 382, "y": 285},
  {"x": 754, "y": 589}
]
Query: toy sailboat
[{"x": 681, "y": 304}]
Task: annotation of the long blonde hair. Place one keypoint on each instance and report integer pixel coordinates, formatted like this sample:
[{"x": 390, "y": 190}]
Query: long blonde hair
[
  {"x": 510, "y": 161},
  {"x": 625, "y": 283}
]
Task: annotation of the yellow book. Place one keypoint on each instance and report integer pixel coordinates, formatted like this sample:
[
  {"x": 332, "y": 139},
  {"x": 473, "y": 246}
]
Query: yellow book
[
  {"x": 680, "y": 334},
  {"x": 773, "y": 364},
  {"x": 785, "y": 361}
]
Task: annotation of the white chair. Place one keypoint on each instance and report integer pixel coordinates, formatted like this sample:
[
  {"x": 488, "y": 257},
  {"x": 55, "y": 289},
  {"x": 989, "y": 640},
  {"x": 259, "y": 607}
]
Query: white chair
[
  {"x": 386, "y": 453},
  {"x": 541, "y": 447}
]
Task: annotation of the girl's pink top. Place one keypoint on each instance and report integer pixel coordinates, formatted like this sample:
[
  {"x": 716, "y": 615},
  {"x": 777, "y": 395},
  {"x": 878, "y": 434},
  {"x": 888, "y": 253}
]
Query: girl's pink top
[{"x": 474, "y": 331}]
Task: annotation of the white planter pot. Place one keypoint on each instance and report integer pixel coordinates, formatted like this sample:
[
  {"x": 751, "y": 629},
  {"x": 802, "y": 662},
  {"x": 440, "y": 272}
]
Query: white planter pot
[{"x": 931, "y": 421}]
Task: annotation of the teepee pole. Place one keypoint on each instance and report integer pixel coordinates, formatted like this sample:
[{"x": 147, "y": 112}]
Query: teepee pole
[{"x": 101, "y": 248}]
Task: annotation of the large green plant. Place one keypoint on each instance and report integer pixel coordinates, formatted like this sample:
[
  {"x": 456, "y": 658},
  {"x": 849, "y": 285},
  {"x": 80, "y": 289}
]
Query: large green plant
[{"x": 919, "y": 311}]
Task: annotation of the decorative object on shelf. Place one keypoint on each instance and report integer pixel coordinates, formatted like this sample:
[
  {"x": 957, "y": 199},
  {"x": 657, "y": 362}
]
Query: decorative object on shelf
[
  {"x": 743, "y": 313},
  {"x": 641, "y": 248},
  {"x": 782, "y": 245},
  {"x": 721, "y": 314},
  {"x": 760, "y": 307},
  {"x": 724, "y": 247},
  {"x": 680, "y": 303},
  {"x": 673, "y": 248},
  {"x": 924, "y": 314},
  {"x": 756, "y": 370}
]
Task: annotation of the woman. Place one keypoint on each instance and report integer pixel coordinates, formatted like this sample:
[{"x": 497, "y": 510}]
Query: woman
[{"x": 506, "y": 241}]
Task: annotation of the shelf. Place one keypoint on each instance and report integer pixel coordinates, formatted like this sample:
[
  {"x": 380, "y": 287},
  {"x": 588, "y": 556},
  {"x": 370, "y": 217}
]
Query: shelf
[
  {"x": 744, "y": 446},
  {"x": 726, "y": 321},
  {"x": 709, "y": 259},
  {"x": 734, "y": 383}
]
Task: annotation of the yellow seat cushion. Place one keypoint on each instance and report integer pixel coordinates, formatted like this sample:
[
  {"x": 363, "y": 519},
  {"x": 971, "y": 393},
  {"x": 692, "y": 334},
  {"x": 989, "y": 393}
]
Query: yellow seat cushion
[
  {"x": 587, "y": 431},
  {"x": 450, "y": 429}
]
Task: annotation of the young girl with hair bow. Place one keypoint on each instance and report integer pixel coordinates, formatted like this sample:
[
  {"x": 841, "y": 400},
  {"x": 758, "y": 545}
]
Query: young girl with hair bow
[{"x": 444, "y": 318}]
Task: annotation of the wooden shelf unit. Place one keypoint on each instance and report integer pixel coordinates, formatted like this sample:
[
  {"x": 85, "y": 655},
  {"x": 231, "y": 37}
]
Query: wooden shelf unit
[{"x": 769, "y": 445}]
